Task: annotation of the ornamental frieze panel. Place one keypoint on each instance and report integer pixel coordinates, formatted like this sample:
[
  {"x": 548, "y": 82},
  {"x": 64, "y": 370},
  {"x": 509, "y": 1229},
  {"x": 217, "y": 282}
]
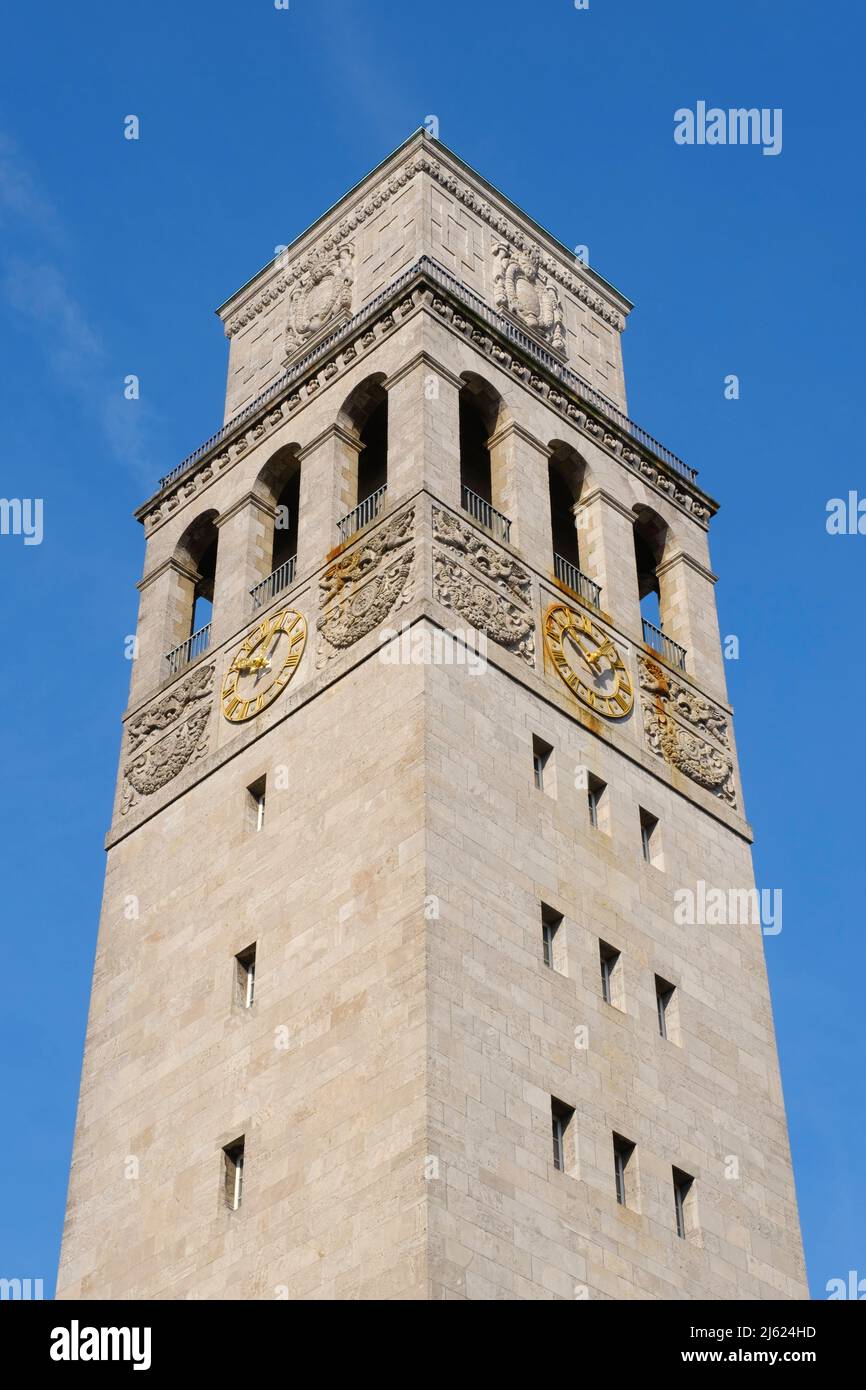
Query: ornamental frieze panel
[
  {"x": 162, "y": 761},
  {"x": 495, "y": 565},
  {"x": 521, "y": 289},
  {"x": 676, "y": 698},
  {"x": 331, "y": 245},
  {"x": 483, "y": 608},
  {"x": 360, "y": 589},
  {"x": 688, "y": 753},
  {"x": 689, "y": 732},
  {"x": 167, "y": 710}
]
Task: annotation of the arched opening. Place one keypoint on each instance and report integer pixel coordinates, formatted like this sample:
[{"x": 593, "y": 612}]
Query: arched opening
[
  {"x": 373, "y": 458},
  {"x": 365, "y": 415},
  {"x": 562, "y": 519},
  {"x": 650, "y": 540},
  {"x": 196, "y": 555},
  {"x": 286, "y": 521},
  {"x": 474, "y": 453},
  {"x": 279, "y": 484},
  {"x": 480, "y": 413},
  {"x": 660, "y": 600},
  {"x": 566, "y": 473},
  {"x": 202, "y": 605}
]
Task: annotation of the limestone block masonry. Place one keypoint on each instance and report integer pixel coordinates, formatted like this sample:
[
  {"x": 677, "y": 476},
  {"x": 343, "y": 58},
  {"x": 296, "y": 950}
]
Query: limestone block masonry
[{"x": 388, "y": 760}]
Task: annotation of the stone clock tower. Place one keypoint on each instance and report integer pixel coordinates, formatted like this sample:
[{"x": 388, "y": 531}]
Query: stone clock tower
[{"x": 427, "y": 742}]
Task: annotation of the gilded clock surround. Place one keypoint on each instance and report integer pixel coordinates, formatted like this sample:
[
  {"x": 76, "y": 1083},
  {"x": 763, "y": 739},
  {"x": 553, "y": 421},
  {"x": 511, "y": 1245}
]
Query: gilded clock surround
[
  {"x": 588, "y": 662},
  {"x": 263, "y": 665}
]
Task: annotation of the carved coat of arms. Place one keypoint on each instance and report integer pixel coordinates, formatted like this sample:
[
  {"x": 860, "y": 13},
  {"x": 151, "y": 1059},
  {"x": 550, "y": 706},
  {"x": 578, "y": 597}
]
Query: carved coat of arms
[
  {"x": 521, "y": 289},
  {"x": 322, "y": 298}
]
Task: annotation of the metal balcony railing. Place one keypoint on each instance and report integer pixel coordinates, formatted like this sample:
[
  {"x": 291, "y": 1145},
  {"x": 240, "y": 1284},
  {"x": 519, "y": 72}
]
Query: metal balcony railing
[
  {"x": 187, "y": 651},
  {"x": 580, "y": 583},
  {"x": 670, "y": 650},
  {"x": 486, "y": 516},
  {"x": 362, "y": 515},
  {"x": 279, "y": 579}
]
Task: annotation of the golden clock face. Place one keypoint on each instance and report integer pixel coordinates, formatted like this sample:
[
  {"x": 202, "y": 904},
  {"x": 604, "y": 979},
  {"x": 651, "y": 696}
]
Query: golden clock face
[
  {"x": 588, "y": 662},
  {"x": 263, "y": 665}
]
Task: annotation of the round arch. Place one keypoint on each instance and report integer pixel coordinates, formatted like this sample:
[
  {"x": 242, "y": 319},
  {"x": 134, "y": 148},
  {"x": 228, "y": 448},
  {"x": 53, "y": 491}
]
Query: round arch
[
  {"x": 482, "y": 412},
  {"x": 364, "y": 413}
]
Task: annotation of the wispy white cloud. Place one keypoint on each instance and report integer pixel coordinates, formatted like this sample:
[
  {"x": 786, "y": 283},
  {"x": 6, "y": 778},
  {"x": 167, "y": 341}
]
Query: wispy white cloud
[
  {"x": 39, "y": 291},
  {"x": 21, "y": 198},
  {"x": 35, "y": 286}
]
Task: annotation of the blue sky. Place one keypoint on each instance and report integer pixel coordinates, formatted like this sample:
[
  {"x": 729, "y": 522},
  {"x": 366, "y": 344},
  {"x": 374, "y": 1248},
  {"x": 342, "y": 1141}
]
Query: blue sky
[{"x": 114, "y": 253}]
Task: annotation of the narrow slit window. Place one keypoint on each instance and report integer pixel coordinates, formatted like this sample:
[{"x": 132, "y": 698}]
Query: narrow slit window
[
  {"x": 623, "y": 1171},
  {"x": 233, "y": 1164},
  {"x": 650, "y": 839},
  {"x": 549, "y": 931},
  {"x": 542, "y": 766},
  {"x": 245, "y": 977},
  {"x": 597, "y": 803},
  {"x": 256, "y": 804},
  {"x": 561, "y": 1117},
  {"x": 683, "y": 1201},
  {"x": 666, "y": 1008},
  {"x": 611, "y": 974},
  {"x": 594, "y": 794},
  {"x": 552, "y": 939}
]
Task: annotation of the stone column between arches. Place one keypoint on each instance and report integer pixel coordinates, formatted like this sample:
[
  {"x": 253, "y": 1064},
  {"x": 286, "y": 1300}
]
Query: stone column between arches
[
  {"x": 606, "y": 542},
  {"x": 166, "y": 597},
  {"x": 518, "y": 475},
  {"x": 243, "y": 558},
  {"x": 688, "y": 605},
  {"x": 424, "y": 430},
  {"x": 329, "y": 481}
]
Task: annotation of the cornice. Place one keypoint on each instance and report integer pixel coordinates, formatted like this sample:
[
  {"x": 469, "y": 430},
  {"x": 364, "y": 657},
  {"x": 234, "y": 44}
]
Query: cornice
[
  {"x": 514, "y": 427},
  {"x": 422, "y": 358},
  {"x": 172, "y": 563},
  {"x": 681, "y": 558},
  {"x": 333, "y": 431},
  {"x": 601, "y": 494},
  {"x": 249, "y": 499}
]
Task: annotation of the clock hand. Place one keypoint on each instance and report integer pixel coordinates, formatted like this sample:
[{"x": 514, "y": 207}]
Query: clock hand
[
  {"x": 252, "y": 663},
  {"x": 266, "y": 659},
  {"x": 589, "y": 657},
  {"x": 604, "y": 649}
]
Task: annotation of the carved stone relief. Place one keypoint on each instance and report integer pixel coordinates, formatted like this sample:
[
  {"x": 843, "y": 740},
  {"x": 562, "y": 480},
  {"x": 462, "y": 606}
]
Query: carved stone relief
[
  {"x": 521, "y": 288},
  {"x": 359, "y": 591},
  {"x": 489, "y": 588},
  {"x": 168, "y": 710},
  {"x": 322, "y": 298},
  {"x": 689, "y": 754},
  {"x": 163, "y": 760},
  {"x": 473, "y": 550},
  {"x": 692, "y": 708},
  {"x": 483, "y": 609},
  {"x": 671, "y": 716}
]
